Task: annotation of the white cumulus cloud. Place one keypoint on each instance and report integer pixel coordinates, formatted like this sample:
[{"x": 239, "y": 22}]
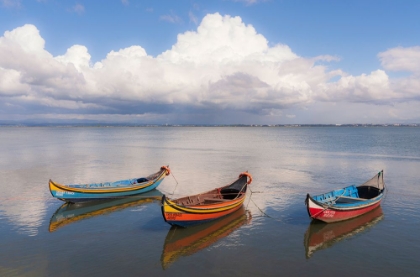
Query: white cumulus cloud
[
  {"x": 401, "y": 59},
  {"x": 223, "y": 65}
]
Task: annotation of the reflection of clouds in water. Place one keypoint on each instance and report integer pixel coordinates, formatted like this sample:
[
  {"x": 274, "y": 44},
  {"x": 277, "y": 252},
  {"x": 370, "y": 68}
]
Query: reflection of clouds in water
[
  {"x": 285, "y": 163},
  {"x": 23, "y": 201},
  {"x": 26, "y": 216},
  {"x": 141, "y": 208},
  {"x": 279, "y": 188}
]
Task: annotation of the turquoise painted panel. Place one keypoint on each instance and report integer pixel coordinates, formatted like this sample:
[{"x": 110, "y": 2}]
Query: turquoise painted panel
[{"x": 77, "y": 197}]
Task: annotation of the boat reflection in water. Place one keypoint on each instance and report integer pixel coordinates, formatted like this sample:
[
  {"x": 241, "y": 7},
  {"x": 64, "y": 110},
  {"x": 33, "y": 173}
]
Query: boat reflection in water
[
  {"x": 322, "y": 235},
  {"x": 187, "y": 241},
  {"x": 69, "y": 212}
]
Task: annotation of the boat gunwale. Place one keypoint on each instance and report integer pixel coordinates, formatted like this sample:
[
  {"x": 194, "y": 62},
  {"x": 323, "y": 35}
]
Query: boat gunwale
[
  {"x": 111, "y": 189},
  {"x": 221, "y": 206},
  {"x": 348, "y": 206},
  {"x": 208, "y": 208}
]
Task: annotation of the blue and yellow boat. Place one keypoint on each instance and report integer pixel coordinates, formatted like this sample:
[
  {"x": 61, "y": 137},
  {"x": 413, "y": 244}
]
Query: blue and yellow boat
[{"x": 99, "y": 191}]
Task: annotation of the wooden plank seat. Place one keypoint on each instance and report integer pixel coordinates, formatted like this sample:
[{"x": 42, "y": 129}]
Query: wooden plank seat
[
  {"x": 346, "y": 199},
  {"x": 215, "y": 200}
]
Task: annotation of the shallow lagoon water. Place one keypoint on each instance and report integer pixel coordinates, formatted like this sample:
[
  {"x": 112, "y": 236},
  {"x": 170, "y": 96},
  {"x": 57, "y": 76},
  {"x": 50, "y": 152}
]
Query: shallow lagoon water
[{"x": 39, "y": 237}]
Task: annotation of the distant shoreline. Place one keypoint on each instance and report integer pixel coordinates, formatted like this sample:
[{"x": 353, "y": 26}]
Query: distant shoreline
[{"x": 211, "y": 125}]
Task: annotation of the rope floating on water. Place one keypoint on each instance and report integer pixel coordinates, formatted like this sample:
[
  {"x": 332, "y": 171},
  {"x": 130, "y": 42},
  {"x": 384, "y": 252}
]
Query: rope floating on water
[{"x": 265, "y": 214}]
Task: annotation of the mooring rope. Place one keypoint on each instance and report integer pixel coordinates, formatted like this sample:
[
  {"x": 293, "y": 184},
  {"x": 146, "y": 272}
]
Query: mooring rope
[
  {"x": 265, "y": 214},
  {"x": 246, "y": 208},
  {"x": 255, "y": 204},
  {"x": 176, "y": 183}
]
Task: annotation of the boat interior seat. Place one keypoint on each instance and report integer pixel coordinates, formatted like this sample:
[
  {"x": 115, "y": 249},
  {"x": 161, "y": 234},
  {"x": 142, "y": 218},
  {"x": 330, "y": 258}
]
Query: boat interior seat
[
  {"x": 188, "y": 201},
  {"x": 346, "y": 199},
  {"x": 214, "y": 200}
]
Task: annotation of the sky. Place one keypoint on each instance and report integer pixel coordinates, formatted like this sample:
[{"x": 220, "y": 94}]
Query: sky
[{"x": 210, "y": 62}]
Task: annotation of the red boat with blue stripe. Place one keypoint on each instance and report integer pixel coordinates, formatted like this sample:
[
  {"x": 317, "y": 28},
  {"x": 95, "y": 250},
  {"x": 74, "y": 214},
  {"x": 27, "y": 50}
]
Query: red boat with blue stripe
[{"x": 348, "y": 202}]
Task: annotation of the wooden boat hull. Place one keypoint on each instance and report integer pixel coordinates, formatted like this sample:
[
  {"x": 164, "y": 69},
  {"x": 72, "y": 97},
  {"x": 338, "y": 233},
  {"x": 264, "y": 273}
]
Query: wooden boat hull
[
  {"x": 80, "y": 194},
  {"x": 347, "y": 203},
  {"x": 185, "y": 212},
  {"x": 181, "y": 242},
  {"x": 182, "y": 216},
  {"x": 321, "y": 235},
  {"x": 327, "y": 214}
]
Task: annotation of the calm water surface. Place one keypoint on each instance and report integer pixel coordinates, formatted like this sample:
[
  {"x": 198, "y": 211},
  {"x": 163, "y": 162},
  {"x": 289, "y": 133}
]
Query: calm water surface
[{"x": 271, "y": 236}]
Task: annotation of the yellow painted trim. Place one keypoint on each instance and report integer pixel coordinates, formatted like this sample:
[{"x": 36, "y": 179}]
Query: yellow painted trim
[
  {"x": 59, "y": 187},
  {"x": 169, "y": 206}
]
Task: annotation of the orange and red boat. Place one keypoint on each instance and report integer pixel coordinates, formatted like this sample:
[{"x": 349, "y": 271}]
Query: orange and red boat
[{"x": 206, "y": 206}]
